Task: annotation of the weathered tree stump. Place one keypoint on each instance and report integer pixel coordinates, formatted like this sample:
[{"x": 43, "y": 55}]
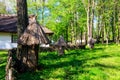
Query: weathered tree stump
[{"x": 10, "y": 67}]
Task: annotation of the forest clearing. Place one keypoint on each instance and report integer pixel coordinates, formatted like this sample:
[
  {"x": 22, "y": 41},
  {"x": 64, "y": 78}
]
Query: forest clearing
[
  {"x": 59, "y": 39},
  {"x": 101, "y": 63}
]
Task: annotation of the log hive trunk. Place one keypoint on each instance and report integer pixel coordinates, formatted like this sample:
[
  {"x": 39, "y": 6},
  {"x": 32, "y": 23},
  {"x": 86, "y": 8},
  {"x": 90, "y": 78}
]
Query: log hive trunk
[
  {"x": 32, "y": 60},
  {"x": 61, "y": 50}
]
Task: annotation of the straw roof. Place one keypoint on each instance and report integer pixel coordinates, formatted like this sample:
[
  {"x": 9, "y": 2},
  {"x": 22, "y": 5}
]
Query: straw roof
[
  {"x": 33, "y": 34},
  {"x": 61, "y": 42},
  {"x": 8, "y": 24},
  {"x": 47, "y": 31}
]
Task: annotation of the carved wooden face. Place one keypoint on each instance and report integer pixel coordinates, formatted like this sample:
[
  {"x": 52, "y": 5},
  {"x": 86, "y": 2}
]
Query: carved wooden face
[{"x": 32, "y": 19}]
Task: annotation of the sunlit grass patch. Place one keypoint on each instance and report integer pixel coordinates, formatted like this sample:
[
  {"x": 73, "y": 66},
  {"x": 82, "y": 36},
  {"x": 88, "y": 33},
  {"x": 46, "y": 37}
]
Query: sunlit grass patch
[
  {"x": 3, "y": 61},
  {"x": 101, "y": 63}
]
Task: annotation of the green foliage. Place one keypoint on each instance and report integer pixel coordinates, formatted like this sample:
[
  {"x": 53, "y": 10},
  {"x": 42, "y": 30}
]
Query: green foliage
[
  {"x": 2, "y": 8},
  {"x": 69, "y": 18},
  {"x": 7, "y": 6},
  {"x": 101, "y": 63},
  {"x": 64, "y": 15}
]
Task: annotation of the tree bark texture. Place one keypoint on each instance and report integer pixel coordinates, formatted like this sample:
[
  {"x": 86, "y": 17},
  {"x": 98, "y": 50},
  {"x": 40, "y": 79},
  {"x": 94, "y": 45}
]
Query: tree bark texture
[
  {"x": 28, "y": 55},
  {"x": 90, "y": 18},
  {"x": 22, "y": 23},
  {"x": 118, "y": 37},
  {"x": 22, "y": 16}
]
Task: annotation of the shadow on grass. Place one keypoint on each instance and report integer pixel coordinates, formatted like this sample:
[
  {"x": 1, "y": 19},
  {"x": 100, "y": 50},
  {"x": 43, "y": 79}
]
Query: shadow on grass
[
  {"x": 50, "y": 56},
  {"x": 73, "y": 63},
  {"x": 107, "y": 66},
  {"x": 46, "y": 65},
  {"x": 3, "y": 55},
  {"x": 2, "y": 72},
  {"x": 77, "y": 52},
  {"x": 30, "y": 76}
]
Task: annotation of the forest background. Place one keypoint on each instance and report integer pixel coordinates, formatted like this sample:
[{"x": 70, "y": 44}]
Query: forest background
[{"x": 74, "y": 19}]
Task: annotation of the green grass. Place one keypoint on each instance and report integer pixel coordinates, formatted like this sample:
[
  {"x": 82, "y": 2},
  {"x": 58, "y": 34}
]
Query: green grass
[
  {"x": 3, "y": 61},
  {"x": 101, "y": 63}
]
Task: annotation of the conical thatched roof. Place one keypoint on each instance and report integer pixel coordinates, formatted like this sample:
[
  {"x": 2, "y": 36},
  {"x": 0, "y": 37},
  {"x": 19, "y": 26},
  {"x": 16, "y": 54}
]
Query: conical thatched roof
[
  {"x": 33, "y": 34},
  {"x": 47, "y": 31},
  {"x": 61, "y": 42}
]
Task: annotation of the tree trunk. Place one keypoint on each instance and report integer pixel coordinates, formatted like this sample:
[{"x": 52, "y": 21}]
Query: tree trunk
[
  {"x": 72, "y": 31},
  {"x": 81, "y": 37},
  {"x": 25, "y": 54},
  {"x": 118, "y": 37},
  {"x": 92, "y": 17},
  {"x": 22, "y": 16},
  {"x": 103, "y": 21},
  {"x": 114, "y": 20},
  {"x": 85, "y": 36},
  {"x": 102, "y": 32},
  {"x": 114, "y": 26},
  {"x": 106, "y": 34},
  {"x": 66, "y": 33},
  {"x": 88, "y": 20},
  {"x": 98, "y": 36}
]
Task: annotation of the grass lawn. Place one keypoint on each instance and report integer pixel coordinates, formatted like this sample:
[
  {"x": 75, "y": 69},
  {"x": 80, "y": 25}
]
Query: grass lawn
[
  {"x": 3, "y": 61},
  {"x": 101, "y": 63}
]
